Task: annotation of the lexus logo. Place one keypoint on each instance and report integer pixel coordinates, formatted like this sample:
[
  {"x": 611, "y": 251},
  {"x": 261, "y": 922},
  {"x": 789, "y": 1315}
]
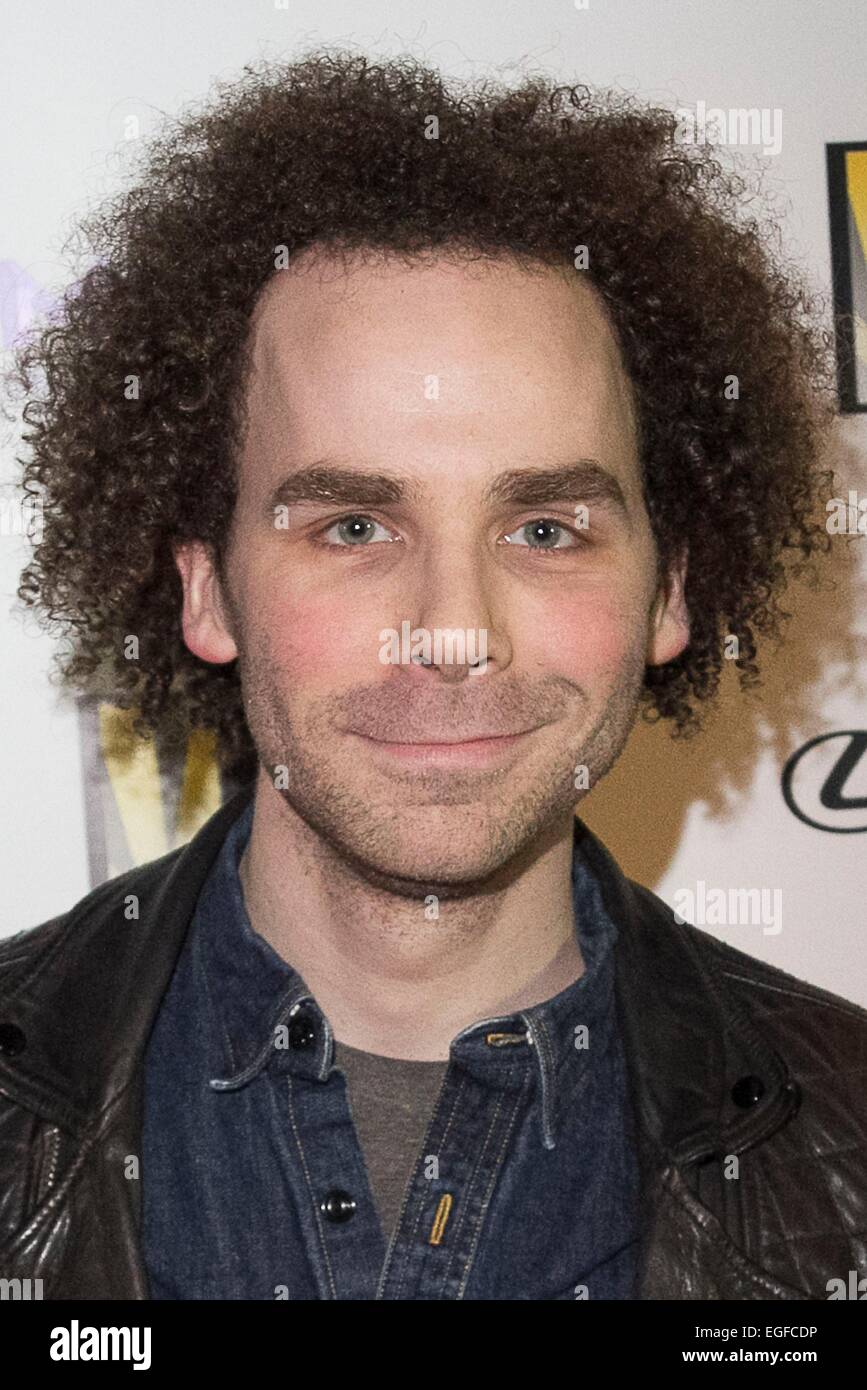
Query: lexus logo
[{"x": 815, "y": 779}]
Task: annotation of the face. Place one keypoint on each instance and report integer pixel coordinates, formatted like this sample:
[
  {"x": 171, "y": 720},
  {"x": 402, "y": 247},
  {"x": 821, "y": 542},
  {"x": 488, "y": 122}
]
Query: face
[{"x": 442, "y": 447}]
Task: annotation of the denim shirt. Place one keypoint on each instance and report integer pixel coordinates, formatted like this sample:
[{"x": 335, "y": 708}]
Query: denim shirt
[{"x": 254, "y": 1184}]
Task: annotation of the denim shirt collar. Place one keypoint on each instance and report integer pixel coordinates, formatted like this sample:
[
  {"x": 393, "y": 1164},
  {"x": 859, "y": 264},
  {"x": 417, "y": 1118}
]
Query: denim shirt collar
[{"x": 262, "y": 1014}]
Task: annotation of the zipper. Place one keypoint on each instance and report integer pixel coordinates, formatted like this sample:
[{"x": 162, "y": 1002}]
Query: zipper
[{"x": 48, "y": 1171}]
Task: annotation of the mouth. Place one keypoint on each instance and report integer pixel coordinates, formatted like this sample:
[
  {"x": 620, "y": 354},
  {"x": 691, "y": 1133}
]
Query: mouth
[{"x": 478, "y": 751}]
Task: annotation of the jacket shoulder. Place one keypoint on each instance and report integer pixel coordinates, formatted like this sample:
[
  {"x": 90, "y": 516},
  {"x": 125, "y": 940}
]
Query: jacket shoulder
[
  {"x": 26, "y": 947},
  {"x": 773, "y": 987},
  {"x": 820, "y": 1035},
  {"x": 34, "y": 944},
  {"x": 751, "y": 977}
]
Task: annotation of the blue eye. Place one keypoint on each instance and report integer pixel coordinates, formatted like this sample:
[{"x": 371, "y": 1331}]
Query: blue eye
[
  {"x": 355, "y": 531},
  {"x": 544, "y": 534}
]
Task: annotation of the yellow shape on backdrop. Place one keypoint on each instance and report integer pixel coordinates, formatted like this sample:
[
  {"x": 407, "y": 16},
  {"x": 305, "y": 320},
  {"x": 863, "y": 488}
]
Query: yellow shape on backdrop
[
  {"x": 201, "y": 794},
  {"x": 134, "y": 775},
  {"x": 856, "y": 188}
]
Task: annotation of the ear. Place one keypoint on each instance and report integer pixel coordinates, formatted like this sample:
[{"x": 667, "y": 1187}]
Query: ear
[
  {"x": 205, "y": 622},
  {"x": 669, "y": 622}
]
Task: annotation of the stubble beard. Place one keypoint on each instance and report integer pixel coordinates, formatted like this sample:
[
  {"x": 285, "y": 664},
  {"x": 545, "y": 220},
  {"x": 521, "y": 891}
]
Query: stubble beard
[{"x": 452, "y": 834}]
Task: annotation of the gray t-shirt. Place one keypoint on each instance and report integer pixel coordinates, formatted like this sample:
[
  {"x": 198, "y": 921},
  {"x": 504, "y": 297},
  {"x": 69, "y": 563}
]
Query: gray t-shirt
[{"x": 391, "y": 1101}]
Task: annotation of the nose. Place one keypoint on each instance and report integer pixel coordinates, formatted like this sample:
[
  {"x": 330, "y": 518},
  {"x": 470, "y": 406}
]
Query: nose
[
  {"x": 452, "y": 672},
  {"x": 456, "y": 613}
]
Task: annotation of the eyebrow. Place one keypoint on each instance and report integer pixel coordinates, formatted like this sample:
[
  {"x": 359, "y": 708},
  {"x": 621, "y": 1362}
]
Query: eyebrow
[{"x": 326, "y": 480}]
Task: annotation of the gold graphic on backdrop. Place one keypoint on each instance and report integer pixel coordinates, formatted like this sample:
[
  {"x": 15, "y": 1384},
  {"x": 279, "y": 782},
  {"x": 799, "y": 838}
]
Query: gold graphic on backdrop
[
  {"x": 856, "y": 181},
  {"x": 158, "y": 809},
  {"x": 847, "y": 200}
]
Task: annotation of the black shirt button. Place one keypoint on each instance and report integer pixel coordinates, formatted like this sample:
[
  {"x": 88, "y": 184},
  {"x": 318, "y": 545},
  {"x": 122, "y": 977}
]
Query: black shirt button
[
  {"x": 338, "y": 1206},
  {"x": 747, "y": 1091},
  {"x": 301, "y": 1031},
  {"x": 12, "y": 1039}
]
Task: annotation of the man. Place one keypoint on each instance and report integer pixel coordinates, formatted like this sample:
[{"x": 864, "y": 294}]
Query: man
[{"x": 411, "y": 458}]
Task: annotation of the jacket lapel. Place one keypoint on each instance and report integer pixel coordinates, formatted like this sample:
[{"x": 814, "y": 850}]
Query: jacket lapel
[{"x": 689, "y": 1256}]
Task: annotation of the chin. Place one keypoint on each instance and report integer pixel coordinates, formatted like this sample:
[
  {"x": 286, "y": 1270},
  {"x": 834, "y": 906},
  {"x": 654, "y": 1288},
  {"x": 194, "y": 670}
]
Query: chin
[
  {"x": 449, "y": 852},
  {"x": 416, "y": 873},
  {"x": 425, "y": 858}
]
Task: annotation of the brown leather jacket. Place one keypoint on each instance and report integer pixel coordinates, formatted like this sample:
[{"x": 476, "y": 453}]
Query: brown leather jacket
[{"x": 727, "y": 1057}]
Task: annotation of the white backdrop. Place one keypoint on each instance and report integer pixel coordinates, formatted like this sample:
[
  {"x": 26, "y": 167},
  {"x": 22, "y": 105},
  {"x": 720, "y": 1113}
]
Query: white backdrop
[{"x": 673, "y": 814}]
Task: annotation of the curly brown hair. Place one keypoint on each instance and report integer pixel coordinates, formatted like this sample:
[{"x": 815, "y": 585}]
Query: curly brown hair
[{"x": 334, "y": 148}]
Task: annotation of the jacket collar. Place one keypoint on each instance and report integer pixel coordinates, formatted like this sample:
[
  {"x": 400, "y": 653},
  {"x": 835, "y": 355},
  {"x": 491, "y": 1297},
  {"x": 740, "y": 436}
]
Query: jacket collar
[{"x": 87, "y": 1003}]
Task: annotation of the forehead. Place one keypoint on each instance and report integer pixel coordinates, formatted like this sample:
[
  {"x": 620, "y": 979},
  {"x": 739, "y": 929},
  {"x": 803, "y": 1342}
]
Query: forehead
[{"x": 435, "y": 347}]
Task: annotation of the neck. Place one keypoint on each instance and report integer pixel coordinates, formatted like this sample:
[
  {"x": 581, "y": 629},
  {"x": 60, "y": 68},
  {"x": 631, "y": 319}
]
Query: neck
[{"x": 388, "y": 979}]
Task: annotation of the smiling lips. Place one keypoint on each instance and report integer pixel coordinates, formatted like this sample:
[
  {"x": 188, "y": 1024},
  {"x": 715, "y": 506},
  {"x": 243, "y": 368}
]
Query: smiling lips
[{"x": 481, "y": 748}]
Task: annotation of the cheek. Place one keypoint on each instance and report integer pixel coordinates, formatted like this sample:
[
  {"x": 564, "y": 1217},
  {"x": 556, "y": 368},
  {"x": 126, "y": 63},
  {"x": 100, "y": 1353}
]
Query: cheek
[
  {"x": 588, "y": 637},
  {"x": 313, "y": 642}
]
